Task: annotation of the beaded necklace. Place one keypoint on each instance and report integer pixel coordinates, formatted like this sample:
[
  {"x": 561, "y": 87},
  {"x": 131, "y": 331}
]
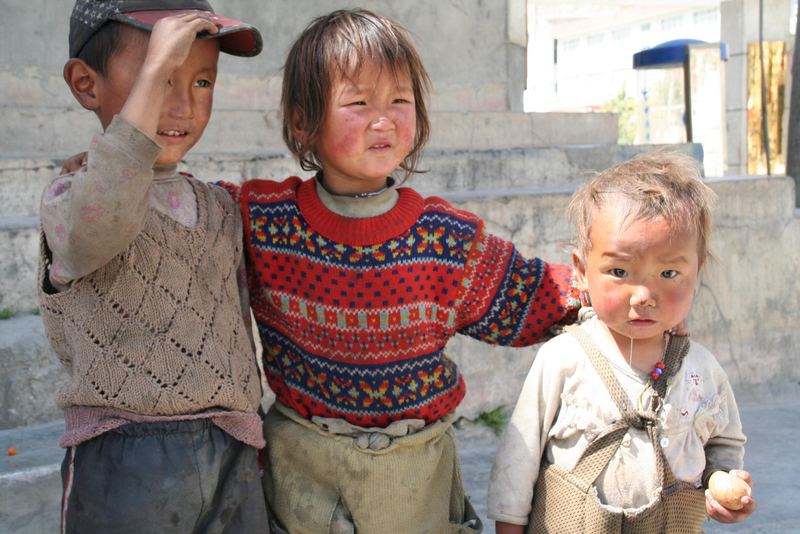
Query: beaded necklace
[{"x": 659, "y": 367}]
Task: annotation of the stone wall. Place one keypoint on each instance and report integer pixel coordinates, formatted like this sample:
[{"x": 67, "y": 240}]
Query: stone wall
[{"x": 464, "y": 45}]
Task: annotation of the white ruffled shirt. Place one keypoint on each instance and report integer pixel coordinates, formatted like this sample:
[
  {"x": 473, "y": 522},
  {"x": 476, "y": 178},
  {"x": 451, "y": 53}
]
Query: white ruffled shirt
[{"x": 564, "y": 405}]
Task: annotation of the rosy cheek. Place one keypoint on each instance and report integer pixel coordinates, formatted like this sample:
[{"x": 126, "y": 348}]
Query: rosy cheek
[
  {"x": 407, "y": 136},
  {"x": 607, "y": 302},
  {"x": 346, "y": 135},
  {"x": 406, "y": 126},
  {"x": 681, "y": 298}
]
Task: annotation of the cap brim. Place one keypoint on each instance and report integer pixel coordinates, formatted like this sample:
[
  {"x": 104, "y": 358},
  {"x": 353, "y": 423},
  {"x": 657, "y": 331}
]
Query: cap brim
[{"x": 236, "y": 37}]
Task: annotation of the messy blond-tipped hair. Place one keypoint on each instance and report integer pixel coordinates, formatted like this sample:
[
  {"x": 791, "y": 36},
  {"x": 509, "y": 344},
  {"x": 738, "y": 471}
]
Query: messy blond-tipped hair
[
  {"x": 651, "y": 185},
  {"x": 339, "y": 44}
]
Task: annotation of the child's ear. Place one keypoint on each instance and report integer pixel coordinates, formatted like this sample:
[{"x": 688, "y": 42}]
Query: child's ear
[
  {"x": 580, "y": 271},
  {"x": 83, "y": 82},
  {"x": 299, "y": 126}
]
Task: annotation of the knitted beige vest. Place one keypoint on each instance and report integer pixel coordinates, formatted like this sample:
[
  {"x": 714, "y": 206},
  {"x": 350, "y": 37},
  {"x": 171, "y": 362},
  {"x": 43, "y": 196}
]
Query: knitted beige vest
[{"x": 158, "y": 330}]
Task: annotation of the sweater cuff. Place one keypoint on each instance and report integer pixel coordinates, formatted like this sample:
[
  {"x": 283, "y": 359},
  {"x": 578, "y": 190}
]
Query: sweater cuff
[{"x": 133, "y": 141}]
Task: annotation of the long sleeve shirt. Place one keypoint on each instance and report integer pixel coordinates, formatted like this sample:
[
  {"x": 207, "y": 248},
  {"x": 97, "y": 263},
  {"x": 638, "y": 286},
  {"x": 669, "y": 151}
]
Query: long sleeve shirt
[{"x": 564, "y": 405}]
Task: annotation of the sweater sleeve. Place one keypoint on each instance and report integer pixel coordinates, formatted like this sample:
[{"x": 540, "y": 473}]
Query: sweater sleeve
[
  {"x": 510, "y": 300},
  {"x": 725, "y": 447},
  {"x": 91, "y": 216},
  {"x": 522, "y": 446}
]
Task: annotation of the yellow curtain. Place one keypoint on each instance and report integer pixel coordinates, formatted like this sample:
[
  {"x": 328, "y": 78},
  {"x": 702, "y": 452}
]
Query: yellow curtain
[{"x": 775, "y": 68}]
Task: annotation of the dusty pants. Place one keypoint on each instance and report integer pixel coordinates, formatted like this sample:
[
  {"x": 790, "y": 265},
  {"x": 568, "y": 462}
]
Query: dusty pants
[
  {"x": 412, "y": 485},
  {"x": 176, "y": 477}
]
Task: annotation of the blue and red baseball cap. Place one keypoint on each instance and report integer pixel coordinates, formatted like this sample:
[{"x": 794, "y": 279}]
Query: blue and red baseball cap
[{"x": 88, "y": 16}]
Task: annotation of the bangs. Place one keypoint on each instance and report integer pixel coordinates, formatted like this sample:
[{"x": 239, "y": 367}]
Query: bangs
[
  {"x": 358, "y": 42},
  {"x": 337, "y": 46}
]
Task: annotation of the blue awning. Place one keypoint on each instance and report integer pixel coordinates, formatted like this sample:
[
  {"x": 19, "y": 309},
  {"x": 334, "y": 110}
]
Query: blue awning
[{"x": 671, "y": 53}]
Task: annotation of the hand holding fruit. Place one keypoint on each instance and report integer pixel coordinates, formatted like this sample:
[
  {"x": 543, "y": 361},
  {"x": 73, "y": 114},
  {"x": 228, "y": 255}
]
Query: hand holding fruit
[{"x": 728, "y": 498}]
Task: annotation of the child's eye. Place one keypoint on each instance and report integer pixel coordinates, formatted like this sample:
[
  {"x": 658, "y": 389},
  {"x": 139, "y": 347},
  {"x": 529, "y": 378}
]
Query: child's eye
[
  {"x": 203, "y": 83},
  {"x": 357, "y": 103},
  {"x": 618, "y": 273},
  {"x": 669, "y": 273},
  {"x": 401, "y": 101}
]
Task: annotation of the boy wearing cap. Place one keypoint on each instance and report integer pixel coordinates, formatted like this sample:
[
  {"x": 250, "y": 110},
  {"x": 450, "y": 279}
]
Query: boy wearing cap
[{"x": 141, "y": 285}]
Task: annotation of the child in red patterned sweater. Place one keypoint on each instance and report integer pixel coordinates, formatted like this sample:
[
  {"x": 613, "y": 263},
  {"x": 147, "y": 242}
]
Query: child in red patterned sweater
[{"x": 357, "y": 285}]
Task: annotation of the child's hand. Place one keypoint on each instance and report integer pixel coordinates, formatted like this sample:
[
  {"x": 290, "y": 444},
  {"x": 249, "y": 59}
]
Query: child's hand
[
  {"x": 172, "y": 38},
  {"x": 74, "y": 163},
  {"x": 721, "y": 514}
]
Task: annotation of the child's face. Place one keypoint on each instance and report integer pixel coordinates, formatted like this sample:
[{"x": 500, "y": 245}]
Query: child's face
[
  {"x": 187, "y": 101},
  {"x": 368, "y": 129},
  {"x": 640, "y": 276}
]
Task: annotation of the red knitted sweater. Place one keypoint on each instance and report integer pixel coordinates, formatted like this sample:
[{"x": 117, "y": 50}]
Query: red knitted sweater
[{"x": 354, "y": 314}]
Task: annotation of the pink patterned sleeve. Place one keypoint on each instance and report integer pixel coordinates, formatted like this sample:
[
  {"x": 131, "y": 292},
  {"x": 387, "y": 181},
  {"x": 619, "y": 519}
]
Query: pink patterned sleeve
[{"x": 92, "y": 215}]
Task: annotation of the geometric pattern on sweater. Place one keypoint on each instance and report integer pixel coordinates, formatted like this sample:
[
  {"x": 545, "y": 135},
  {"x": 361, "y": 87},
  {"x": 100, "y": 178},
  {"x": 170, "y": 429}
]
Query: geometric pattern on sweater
[
  {"x": 354, "y": 314},
  {"x": 374, "y": 395},
  {"x": 158, "y": 330}
]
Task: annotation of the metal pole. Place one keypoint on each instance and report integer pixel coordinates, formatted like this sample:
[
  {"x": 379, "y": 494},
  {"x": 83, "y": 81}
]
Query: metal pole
[
  {"x": 764, "y": 118},
  {"x": 793, "y": 144}
]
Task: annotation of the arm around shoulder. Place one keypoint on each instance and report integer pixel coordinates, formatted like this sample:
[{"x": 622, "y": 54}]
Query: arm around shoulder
[{"x": 514, "y": 301}]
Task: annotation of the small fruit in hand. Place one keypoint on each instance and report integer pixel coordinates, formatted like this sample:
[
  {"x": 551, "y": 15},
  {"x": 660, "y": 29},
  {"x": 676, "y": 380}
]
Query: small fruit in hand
[{"x": 728, "y": 489}]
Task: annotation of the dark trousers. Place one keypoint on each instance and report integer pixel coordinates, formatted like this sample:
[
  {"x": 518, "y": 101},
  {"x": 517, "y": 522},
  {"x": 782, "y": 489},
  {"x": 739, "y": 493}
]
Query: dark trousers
[{"x": 175, "y": 477}]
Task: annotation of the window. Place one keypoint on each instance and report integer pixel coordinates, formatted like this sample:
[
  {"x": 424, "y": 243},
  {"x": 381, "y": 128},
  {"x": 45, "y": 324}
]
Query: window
[
  {"x": 672, "y": 23},
  {"x": 621, "y": 35},
  {"x": 706, "y": 17},
  {"x": 596, "y": 39}
]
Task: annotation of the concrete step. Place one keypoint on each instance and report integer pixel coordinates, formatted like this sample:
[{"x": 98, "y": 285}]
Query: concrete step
[
  {"x": 22, "y": 180},
  {"x": 512, "y": 171},
  {"x": 30, "y": 481},
  {"x": 64, "y": 130},
  {"x": 30, "y": 373}
]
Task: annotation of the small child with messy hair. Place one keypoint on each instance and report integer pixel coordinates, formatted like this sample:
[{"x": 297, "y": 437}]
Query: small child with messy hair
[
  {"x": 358, "y": 284},
  {"x": 615, "y": 408}
]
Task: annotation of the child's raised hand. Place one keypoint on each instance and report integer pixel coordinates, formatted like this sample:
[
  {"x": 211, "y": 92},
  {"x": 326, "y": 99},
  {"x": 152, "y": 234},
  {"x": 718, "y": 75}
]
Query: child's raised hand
[
  {"x": 721, "y": 514},
  {"x": 172, "y": 38}
]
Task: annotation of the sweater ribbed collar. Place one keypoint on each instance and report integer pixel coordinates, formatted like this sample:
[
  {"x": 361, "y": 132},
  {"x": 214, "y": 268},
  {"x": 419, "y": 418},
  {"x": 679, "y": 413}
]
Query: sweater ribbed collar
[{"x": 368, "y": 230}]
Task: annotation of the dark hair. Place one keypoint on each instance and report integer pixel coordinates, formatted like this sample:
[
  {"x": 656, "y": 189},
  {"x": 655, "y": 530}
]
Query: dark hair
[
  {"x": 106, "y": 42},
  {"x": 338, "y": 44}
]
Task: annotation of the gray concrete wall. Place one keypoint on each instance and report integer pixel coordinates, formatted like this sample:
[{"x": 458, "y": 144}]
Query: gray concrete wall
[
  {"x": 475, "y": 61},
  {"x": 464, "y": 45}
]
